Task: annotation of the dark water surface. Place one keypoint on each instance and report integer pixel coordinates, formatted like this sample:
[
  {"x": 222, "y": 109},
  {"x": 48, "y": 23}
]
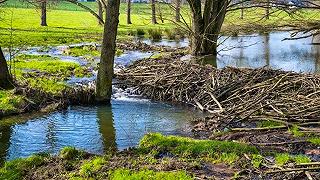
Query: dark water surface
[{"x": 121, "y": 125}]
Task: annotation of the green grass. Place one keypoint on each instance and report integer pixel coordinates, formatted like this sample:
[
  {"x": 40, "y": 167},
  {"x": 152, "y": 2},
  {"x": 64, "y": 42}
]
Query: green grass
[
  {"x": 15, "y": 169},
  {"x": 126, "y": 174},
  {"x": 71, "y": 153},
  {"x": 268, "y": 123},
  {"x": 314, "y": 140},
  {"x": 89, "y": 168},
  {"x": 68, "y": 23},
  {"x": 9, "y": 102},
  {"x": 284, "y": 158},
  {"x": 188, "y": 147}
]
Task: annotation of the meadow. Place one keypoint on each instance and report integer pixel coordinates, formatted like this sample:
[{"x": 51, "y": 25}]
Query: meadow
[{"x": 68, "y": 23}]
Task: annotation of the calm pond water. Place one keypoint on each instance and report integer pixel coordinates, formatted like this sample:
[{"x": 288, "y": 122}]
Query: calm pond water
[
  {"x": 94, "y": 128},
  {"x": 262, "y": 50},
  {"x": 121, "y": 125}
]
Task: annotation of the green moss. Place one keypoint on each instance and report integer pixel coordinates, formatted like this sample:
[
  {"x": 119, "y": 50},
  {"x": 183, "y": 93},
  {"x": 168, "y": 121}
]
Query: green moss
[
  {"x": 10, "y": 102},
  {"x": 268, "y": 123},
  {"x": 228, "y": 158},
  {"x": 185, "y": 147},
  {"x": 125, "y": 174},
  {"x": 314, "y": 140},
  {"x": 89, "y": 168},
  {"x": 52, "y": 86},
  {"x": 71, "y": 153},
  {"x": 296, "y": 132},
  {"x": 15, "y": 169},
  {"x": 283, "y": 158}
]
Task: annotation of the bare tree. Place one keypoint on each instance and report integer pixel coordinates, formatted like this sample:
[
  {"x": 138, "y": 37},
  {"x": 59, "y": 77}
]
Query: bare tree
[
  {"x": 206, "y": 25},
  {"x": 43, "y": 5},
  {"x": 153, "y": 9},
  {"x": 129, "y": 12},
  {"x": 105, "y": 72},
  {"x": 6, "y": 81}
]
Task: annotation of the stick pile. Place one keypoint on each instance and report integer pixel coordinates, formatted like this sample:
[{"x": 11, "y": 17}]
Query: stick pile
[{"x": 231, "y": 95}]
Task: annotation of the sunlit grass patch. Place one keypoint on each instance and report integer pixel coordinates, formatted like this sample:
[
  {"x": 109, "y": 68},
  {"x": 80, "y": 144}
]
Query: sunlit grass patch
[
  {"x": 10, "y": 102},
  {"x": 284, "y": 158},
  {"x": 126, "y": 174},
  {"x": 183, "y": 146},
  {"x": 14, "y": 169}
]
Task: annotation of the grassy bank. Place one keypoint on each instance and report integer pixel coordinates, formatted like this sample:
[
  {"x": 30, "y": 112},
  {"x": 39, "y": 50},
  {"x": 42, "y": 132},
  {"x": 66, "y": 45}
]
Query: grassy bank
[
  {"x": 41, "y": 82},
  {"x": 156, "y": 157},
  {"x": 68, "y": 23}
]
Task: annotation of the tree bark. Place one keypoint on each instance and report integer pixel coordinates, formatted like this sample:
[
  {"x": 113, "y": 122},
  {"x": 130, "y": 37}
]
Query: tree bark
[
  {"x": 105, "y": 72},
  {"x": 267, "y": 9},
  {"x": 206, "y": 26},
  {"x": 177, "y": 10},
  {"x": 129, "y": 12},
  {"x": 153, "y": 8},
  {"x": 100, "y": 11},
  {"x": 44, "y": 13},
  {"x": 5, "y": 78}
]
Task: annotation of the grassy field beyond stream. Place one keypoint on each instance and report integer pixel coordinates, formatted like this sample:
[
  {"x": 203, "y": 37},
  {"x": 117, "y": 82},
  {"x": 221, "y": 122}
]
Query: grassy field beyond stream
[{"x": 67, "y": 23}]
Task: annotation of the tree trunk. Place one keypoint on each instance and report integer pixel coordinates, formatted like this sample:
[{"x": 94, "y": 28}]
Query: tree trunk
[
  {"x": 5, "y": 78},
  {"x": 129, "y": 12},
  {"x": 177, "y": 10},
  {"x": 267, "y": 9},
  {"x": 44, "y": 13},
  {"x": 242, "y": 10},
  {"x": 153, "y": 8},
  {"x": 100, "y": 11},
  {"x": 206, "y": 29},
  {"x": 105, "y": 72},
  {"x": 197, "y": 26}
]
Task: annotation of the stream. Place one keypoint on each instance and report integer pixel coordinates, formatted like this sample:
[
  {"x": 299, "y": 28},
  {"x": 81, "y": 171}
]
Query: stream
[{"x": 121, "y": 125}]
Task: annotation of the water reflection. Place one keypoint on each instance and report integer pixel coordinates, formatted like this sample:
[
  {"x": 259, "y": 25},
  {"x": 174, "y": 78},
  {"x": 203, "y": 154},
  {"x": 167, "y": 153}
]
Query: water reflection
[
  {"x": 96, "y": 129},
  {"x": 106, "y": 127},
  {"x": 270, "y": 50}
]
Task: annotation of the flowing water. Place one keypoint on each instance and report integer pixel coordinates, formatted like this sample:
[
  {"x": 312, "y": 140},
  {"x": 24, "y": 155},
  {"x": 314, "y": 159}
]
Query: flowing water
[{"x": 99, "y": 128}]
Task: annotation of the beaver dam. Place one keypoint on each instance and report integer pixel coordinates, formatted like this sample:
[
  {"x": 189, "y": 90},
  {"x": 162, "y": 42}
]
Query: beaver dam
[
  {"x": 256, "y": 106},
  {"x": 246, "y": 123}
]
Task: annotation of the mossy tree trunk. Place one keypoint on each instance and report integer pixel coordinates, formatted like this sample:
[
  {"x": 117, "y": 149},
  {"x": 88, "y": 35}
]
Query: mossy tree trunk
[
  {"x": 5, "y": 78},
  {"x": 129, "y": 12},
  {"x": 206, "y": 25},
  {"x": 153, "y": 14},
  {"x": 105, "y": 72},
  {"x": 43, "y": 13}
]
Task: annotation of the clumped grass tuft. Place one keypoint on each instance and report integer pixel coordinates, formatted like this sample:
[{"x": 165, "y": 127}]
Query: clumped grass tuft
[
  {"x": 296, "y": 132},
  {"x": 140, "y": 32},
  {"x": 15, "y": 169},
  {"x": 71, "y": 153},
  {"x": 257, "y": 160},
  {"x": 314, "y": 140},
  {"x": 125, "y": 174},
  {"x": 155, "y": 34},
  {"x": 90, "y": 168},
  {"x": 186, "y": 147},
  {"x": 170, "y": 34},
  {"x": 82, "y": 51}
]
